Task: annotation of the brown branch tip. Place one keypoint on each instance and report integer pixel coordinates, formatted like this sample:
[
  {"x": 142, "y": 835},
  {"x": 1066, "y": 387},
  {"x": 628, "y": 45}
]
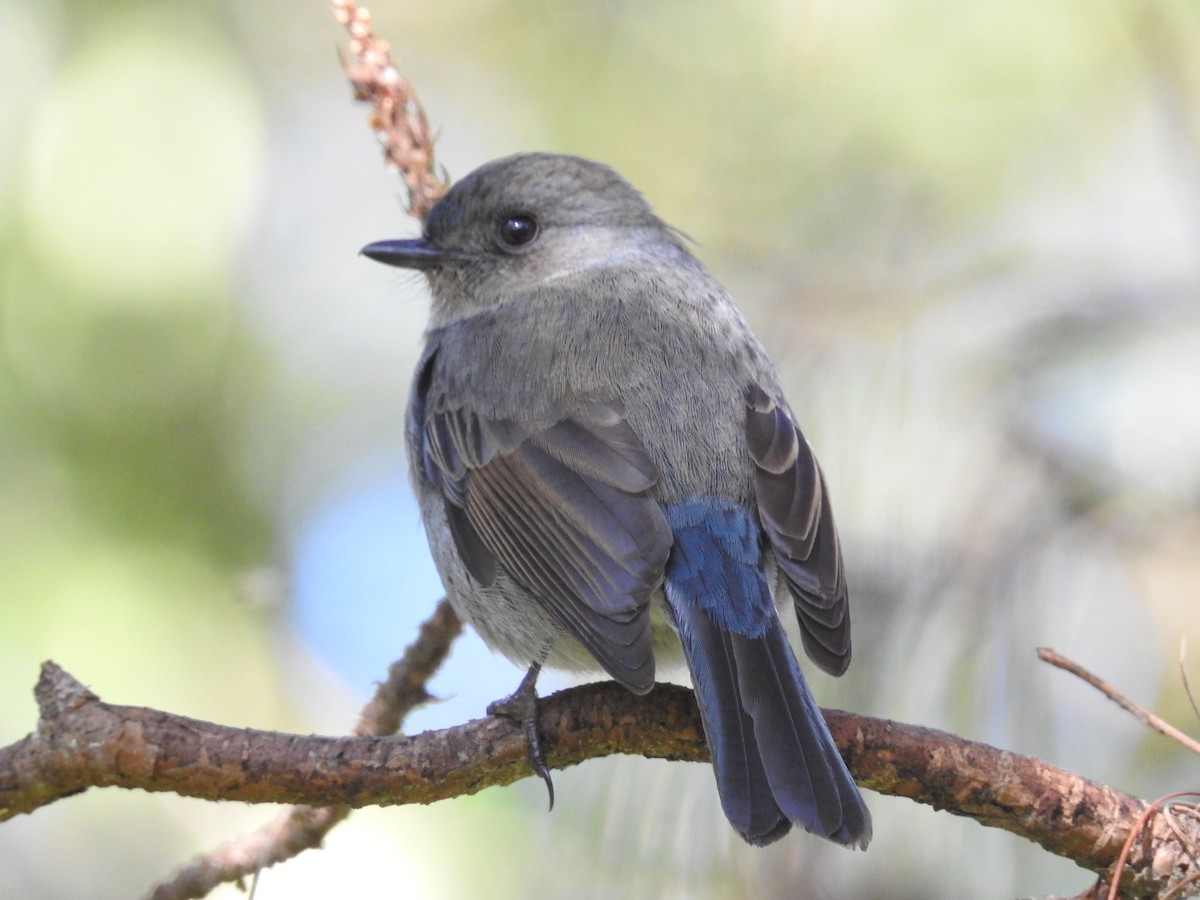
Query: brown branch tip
[
  {"x": 397, "y": 116},
  {"x": 1056, "y": 659}
]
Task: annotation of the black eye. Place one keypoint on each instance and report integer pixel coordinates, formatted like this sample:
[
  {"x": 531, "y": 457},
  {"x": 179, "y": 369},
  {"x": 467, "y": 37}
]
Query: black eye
[{"x": 518, "y": 229}]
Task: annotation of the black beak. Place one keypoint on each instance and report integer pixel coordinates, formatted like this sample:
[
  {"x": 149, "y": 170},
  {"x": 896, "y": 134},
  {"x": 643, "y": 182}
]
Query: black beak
[{"x": 417, "y": 253}]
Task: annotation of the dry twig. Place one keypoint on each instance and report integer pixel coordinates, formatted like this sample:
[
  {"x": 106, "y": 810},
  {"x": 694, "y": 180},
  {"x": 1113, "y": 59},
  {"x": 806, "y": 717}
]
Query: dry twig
[
  {"x": 397, "y": 116},
  {"x": 1162, "y": 727},
  {"x": 304, "y": 827},
  {"x": 1187, "y": 843},
  {"x": 1183, "y": 676}
]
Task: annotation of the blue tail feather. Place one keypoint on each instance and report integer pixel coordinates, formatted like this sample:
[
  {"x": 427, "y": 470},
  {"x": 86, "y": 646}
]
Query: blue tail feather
[{"x": 775, "y": 762}]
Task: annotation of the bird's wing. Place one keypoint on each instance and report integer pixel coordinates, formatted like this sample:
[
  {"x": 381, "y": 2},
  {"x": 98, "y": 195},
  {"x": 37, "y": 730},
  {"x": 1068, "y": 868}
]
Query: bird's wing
[
  {"x": 564, "y": 511},
  {"x": 794, "y": 507}
]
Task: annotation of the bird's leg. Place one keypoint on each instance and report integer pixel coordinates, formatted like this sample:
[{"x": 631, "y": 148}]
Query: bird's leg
[{"x": 521, "y": 707}]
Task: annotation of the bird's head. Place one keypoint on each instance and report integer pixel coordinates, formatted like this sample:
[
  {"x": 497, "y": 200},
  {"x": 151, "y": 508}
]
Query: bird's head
[{"x": 523, "y": 221}]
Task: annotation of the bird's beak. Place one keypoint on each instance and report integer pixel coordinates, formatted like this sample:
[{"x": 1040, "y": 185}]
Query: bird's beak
[{"x": 417, "y": 253}]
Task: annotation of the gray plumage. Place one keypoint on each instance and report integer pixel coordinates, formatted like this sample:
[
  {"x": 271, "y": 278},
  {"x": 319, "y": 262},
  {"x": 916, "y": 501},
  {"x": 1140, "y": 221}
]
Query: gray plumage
[{"x": 605, "y": 464}]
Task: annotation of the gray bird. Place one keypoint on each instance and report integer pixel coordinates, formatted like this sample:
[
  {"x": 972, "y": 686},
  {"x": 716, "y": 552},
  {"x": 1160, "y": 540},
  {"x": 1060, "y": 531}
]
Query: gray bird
[{"x": 607, "y": 470}]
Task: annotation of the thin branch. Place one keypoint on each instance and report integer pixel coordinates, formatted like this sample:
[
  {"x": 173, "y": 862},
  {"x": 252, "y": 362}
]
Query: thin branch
[
  {"x": 1183, "y": 676},
  {"x": 298, "y": 829},
  {"x": 304, "y": 827},
  {"x": 404, "y": 690},
  {"x": 397, "y": 116},
  {"x": 83, "y": 742},
  {"x": 1138, "y": 831},
  {"x": 1166, "y": 728}
]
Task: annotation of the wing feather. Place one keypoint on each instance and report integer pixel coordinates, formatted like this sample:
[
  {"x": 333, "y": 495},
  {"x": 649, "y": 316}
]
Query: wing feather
[
  {"x": 794, "y": 508},
  {"x": 564, "y": 510}
]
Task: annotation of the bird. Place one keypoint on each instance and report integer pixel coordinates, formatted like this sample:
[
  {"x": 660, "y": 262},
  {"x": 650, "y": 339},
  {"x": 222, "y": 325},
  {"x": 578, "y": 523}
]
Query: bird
[{"x": 608, "y": 474}]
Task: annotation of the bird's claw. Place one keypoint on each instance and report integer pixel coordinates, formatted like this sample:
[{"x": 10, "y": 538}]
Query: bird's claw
[{"x": 521, "y": 707}]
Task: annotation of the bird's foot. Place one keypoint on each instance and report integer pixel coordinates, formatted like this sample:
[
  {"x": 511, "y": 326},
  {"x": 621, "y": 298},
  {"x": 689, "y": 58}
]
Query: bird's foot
[{"x": 521, "y": 707}]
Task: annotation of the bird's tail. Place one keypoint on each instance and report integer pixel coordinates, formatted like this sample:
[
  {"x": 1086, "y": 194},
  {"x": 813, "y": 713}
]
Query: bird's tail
[{"x": 775, "y": 761}]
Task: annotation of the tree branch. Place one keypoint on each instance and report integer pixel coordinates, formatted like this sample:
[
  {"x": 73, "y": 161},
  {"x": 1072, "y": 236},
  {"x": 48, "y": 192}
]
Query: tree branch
[
  {"x": 84, "y": 742},
  {"x": 1056, "y": 659},
  {"x": 304, "y": 827}
]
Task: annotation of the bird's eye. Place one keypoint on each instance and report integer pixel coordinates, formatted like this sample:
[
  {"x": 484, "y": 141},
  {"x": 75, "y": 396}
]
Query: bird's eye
[{"x": 518, "y": 229}]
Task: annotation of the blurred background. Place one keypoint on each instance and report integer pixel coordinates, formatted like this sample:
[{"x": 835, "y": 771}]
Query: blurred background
[{"x": 968, "y": 232}]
